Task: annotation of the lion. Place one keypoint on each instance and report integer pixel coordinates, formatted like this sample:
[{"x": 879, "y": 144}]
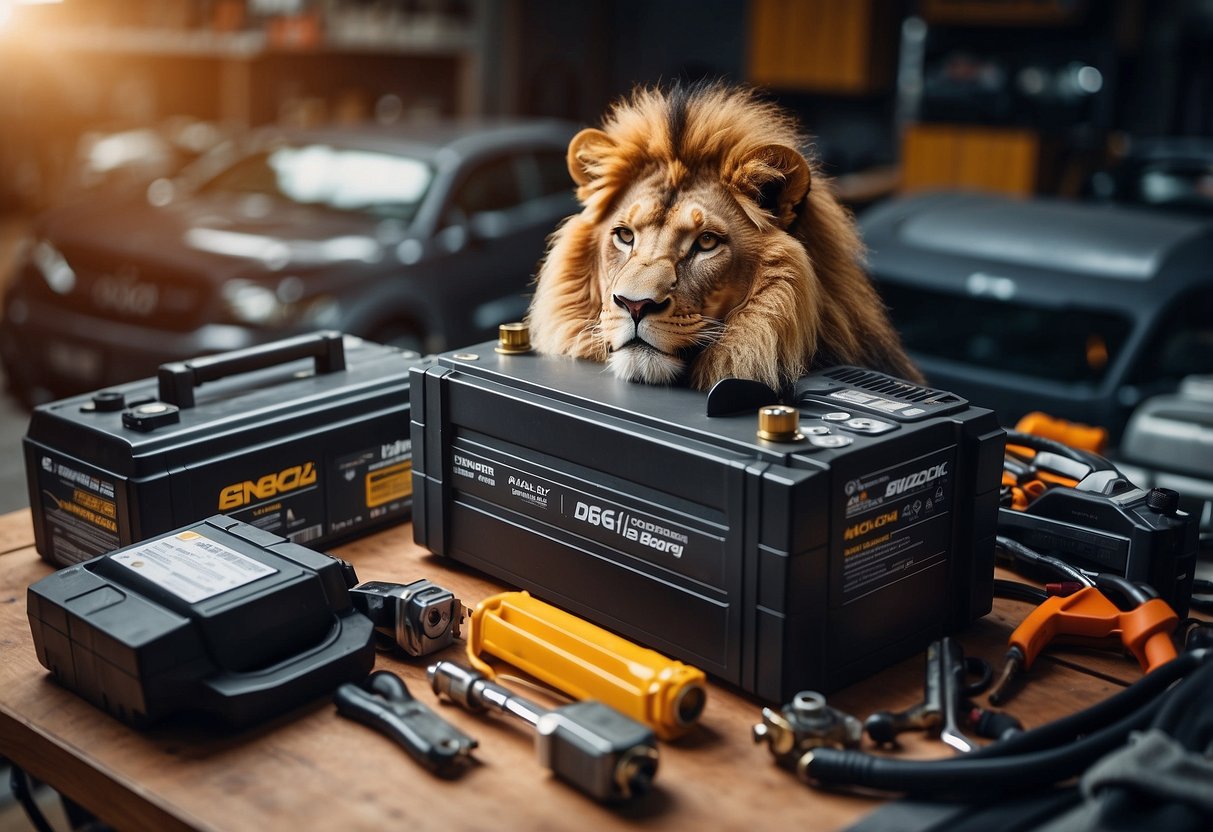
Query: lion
[{"x": 707, "y": 247}]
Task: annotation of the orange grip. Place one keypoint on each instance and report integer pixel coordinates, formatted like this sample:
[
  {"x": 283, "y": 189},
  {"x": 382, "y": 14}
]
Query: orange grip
[
  {"x": 1074, "y": 434},
  {"x": 1145, "y": 631},
  {"x": 1085, "y": 613}
]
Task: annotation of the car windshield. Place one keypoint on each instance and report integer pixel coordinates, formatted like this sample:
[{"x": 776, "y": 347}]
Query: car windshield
[
  {"x": 340, "y": 179},
  {"x": 1061, "y": 344}
]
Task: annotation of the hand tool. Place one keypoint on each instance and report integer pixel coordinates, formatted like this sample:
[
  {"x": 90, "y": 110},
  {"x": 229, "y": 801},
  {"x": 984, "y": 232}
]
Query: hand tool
[
  {"x": 586, "y": 661},
  {"x": 1144, "y": 630},
  {"x": 803, "y": 724},
  {"x": 593, "y": 747},
  {"x": 383, "y": 702},
  {"x": 946, "y": 706},
  {"x": 420, "y": 617}
]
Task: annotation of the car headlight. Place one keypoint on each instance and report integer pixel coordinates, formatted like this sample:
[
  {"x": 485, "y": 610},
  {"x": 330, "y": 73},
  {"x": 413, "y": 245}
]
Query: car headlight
[
  {"x": 253, "y": 303},
  {"x": 249, "y": 302},
  {"x": 53, "y": 267}
]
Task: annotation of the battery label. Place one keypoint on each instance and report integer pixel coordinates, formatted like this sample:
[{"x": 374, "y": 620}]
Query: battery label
[
  {"x": 672, "y": 545},
  {"x": 370, "y": 484},
  {"x": 895, "y": 522},
  {"x": 80, "y": 510},
  {"x": 287, "y": 501},
  {"x": 191, "y": 566},
  {"x": 868, "y": 400}
]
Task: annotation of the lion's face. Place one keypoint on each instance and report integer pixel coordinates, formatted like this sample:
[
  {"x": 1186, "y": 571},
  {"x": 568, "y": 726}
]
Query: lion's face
[
  {"x": 672, "y": 267},
  {"x": 704, "y": 251}
]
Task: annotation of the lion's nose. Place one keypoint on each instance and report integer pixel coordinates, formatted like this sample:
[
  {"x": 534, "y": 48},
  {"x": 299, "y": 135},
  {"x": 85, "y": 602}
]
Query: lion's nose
[{"x": 639, "y": 308}]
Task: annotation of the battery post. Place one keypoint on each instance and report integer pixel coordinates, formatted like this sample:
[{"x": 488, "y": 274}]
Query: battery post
[
  {"x": 779, "y": 423},
  {"x": 513, "y": 339}
]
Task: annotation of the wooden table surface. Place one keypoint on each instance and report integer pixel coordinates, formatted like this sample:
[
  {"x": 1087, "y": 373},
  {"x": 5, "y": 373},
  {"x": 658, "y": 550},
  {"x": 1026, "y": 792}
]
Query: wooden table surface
[{"x": 310, "y": 769}]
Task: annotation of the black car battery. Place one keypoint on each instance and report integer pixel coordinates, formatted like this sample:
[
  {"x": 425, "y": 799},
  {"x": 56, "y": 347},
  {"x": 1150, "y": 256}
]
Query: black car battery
[
  {"x": 799, "y": 561},
  {"x": 306, "y": 438},
  {"x": 219, "y": 618}
]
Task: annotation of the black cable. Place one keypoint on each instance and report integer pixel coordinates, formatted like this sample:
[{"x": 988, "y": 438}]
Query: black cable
[
  {"x": 1066, "y": 729},
  {"x": 969, "y": 774},
  {"x": 19, "y": 782},
  {"x": 1018, "y": 591},
  {"x": 1059, "y": 567},
  {"x": 1135, "y": 593},
  {"x": 1044, "y": 755},
  {"x": 1041, "y": 443}
]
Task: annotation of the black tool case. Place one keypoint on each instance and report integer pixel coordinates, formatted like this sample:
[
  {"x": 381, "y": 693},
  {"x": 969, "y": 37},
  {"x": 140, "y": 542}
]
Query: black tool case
[
  {"x": 219, "y": 618},
  {"x": 775, "y": 566},
  {"x": 306, "y": 438}
]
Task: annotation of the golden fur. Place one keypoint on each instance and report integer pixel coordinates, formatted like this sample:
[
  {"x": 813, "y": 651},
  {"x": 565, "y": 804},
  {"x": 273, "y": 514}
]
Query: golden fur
[{"x": 707, "y": 247}]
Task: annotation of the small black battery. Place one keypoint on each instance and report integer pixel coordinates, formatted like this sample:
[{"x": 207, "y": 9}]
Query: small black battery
[
  {"x": 218, "y": 617},
  {"x": 306, "y": 438},
  {"x": 775, "y": 564}
]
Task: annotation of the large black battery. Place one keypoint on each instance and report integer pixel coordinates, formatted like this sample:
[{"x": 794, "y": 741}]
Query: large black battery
[
  {"x": 777, "y": 566},
  {"x": 306, "y": 438}
]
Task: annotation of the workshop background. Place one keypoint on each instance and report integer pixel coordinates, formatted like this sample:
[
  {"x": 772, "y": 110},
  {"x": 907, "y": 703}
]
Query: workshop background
[
  {"x": 1057, "y": 98},
  {"x": 1060, "y": 98}
]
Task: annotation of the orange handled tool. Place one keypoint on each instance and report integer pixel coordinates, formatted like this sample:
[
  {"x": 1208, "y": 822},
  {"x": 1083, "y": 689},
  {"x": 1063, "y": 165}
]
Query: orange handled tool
[{"x": 1145, "y": 631}]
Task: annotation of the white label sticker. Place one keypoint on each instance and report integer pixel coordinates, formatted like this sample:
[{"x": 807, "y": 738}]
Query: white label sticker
[{"x": 192, "y": 567}]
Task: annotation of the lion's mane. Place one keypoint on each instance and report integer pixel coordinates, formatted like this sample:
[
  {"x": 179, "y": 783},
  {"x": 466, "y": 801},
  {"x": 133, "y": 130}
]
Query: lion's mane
[{"x": 807, "y": 301}]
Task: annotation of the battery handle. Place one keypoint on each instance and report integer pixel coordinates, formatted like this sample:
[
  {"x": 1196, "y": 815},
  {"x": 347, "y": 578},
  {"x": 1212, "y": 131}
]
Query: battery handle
[
  {"x": 342, "y": 653},
  {"x": 179, "y": 378}
]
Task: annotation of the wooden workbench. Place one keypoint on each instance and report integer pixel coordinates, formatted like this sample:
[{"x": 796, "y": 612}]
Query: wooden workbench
[{"x": 310, "y": 769}]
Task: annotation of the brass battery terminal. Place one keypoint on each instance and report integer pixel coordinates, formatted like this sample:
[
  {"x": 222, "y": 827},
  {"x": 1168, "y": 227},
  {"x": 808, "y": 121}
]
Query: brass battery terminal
[
  {"x": 804, "y": 724},
  {"x": 591, "y": 746}
]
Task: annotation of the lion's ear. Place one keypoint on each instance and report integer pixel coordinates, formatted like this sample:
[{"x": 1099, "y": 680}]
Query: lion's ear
[
  {"x": 586, "y": 151},
  {"x": 777, "y": 178}
]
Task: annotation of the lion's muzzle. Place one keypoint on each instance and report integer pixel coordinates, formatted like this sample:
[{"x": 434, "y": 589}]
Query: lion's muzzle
[{"x": 641, "y": 307}]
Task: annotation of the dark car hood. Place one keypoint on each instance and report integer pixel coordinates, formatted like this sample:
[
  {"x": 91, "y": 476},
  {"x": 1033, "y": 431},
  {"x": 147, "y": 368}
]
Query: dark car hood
[{"x": 211, "y": 237}]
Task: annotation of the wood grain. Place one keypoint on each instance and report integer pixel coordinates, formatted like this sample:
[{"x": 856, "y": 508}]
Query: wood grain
[{"x": 311, "y": 769}]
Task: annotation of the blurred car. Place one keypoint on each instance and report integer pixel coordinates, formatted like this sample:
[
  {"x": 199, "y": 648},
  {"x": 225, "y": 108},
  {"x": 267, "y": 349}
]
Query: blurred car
[
  {"x": 131, "y": 156},
  {"x": 1080, "y": 310},
  {"x": 1170, "y": 173},
  {"x": 422, "y": 236}
]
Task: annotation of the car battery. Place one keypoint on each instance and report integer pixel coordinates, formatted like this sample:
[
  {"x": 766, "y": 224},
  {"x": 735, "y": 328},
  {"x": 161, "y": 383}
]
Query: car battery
[
  {"x": 808, "y": 559},
  {"x": 306, "y": 438}
]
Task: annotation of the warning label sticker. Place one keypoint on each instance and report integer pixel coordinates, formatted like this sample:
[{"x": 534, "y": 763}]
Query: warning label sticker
[
  {"x": 369, "y": 485},
  {"x": 191, "y": 566},
  {"x": 79, "y": 509},
  {"x": 896, "y": 522}
]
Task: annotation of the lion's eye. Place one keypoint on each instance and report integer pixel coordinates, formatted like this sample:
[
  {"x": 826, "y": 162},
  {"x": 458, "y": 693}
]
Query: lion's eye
[
  {"x": 706, "y": 241},
  {"x": 623, "y": 237}
]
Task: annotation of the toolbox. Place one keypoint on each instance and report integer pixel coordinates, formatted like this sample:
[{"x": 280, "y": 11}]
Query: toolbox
[
  {"x": 306, "y": 438},
  {"x": 777, "y": 566}
]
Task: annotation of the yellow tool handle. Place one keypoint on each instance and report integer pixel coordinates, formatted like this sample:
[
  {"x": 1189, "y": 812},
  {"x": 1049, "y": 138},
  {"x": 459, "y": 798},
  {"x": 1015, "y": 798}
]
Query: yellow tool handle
[{"x": 586, "y": 661}]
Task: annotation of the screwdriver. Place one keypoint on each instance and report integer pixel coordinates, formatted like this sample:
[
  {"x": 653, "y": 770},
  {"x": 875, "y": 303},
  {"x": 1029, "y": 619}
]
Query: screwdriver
[{"x": 593, "y": 747}]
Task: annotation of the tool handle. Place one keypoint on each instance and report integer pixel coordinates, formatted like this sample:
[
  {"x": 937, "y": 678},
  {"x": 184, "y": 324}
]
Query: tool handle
[
  {"x": 179, "y": 378},
  {"x": 388, "y": 708},
  {"x": 1146, "y": 632},
  {"x": 586, "y": 662},
  {"x": 1085, "y": 613}
]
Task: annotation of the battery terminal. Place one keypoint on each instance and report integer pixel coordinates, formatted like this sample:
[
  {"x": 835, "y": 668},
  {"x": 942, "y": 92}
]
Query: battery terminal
[
  {"x": 779, "y": 423},
  {"x": 513, "y": 339}
]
